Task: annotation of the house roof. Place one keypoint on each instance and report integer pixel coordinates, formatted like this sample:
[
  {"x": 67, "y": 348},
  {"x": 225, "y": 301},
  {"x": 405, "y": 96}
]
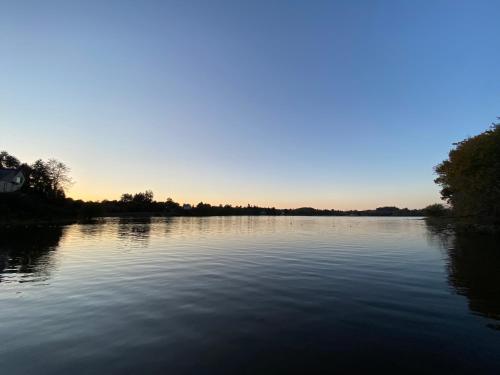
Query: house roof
[{"x": 7, "y": 174}]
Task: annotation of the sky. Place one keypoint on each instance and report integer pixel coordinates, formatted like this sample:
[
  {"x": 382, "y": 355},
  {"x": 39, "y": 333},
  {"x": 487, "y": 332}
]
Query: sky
[{"x": 329, "y": 104}]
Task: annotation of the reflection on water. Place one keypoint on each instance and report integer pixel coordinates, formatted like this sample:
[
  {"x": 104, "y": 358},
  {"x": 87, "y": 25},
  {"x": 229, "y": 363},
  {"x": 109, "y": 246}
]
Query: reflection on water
[
  {"x": 26, "y": 253},
  {"x": 134, "y": 229},
  {"x": 248, "y": 295},
  {"x": 473, "y": 268}
]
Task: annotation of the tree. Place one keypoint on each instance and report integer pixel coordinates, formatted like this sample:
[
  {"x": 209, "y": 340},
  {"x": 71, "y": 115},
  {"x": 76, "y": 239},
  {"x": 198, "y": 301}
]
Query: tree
[
  {"x": 8, "y": 161},
  {"x": 470, "y": 177},
  {"x": 49, "y": 179},
  {"x": 39, "y": 178},
  {"x": 139, "y": 202},
  {"x": 126, "y": 198},
  {"x": 59, "y": 178},
  {"x": 171, "y": 205},
  {"x": 144, "y": 198}
]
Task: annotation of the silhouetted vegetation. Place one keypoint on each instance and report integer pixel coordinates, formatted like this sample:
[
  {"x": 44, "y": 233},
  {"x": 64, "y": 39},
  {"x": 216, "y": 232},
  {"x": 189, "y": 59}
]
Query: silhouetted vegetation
[
  {"x": 470, "y": 177},
  {"x": 43, "y": 196},
  {"x": 436, "y": 210},
  {"x": 43, "y": 193}
]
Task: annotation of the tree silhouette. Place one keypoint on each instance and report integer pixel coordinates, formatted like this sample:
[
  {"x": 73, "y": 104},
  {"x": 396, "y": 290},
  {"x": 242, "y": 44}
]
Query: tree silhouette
[
  {"x": 50, "y": 178},
  {"x": 470, "y": 177},
  {"x": 8, "y": 161}
]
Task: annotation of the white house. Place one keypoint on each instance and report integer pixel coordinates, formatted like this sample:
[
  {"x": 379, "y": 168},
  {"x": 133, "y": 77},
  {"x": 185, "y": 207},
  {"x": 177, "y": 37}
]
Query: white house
[{"x": 11, "y": 180}]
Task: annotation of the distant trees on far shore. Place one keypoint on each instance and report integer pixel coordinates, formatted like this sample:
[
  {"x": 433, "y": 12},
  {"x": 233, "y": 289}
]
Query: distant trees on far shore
[
  {"x": 44, "y": 195},
  {"x": 470, "y": 181},
  {"x": 136, "y": 204}
]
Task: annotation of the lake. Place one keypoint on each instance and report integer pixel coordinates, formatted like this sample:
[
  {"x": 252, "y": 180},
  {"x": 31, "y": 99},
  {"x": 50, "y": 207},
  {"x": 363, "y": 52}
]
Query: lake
[{"x": 248, "y": 295}]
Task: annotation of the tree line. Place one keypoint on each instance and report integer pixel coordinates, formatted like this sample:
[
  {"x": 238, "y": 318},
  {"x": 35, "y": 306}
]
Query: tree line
[
  {"x": 44, "y": 195},
  {"x": 469, "y": 177},
  {"x": 170, "y": 207}
]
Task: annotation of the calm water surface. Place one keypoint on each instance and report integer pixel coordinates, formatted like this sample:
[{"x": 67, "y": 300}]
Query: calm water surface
[{"x": 248, "y": 295}]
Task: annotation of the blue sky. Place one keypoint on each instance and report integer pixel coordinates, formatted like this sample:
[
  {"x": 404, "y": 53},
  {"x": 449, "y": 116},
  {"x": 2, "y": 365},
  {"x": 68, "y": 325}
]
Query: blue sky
[{"x": 331, "y": 104}]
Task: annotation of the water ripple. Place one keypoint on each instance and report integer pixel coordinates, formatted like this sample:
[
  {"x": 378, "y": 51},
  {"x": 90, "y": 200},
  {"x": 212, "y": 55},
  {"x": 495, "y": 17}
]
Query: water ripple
[{"x": 247, "y": 294}]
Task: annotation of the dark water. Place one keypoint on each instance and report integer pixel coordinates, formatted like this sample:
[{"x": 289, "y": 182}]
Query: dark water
[{"x": 248, "y": 295}]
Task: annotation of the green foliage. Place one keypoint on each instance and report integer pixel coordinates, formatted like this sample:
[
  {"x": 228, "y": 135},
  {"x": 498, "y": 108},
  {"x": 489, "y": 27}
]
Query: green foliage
[{"x": 470, "y": 177}]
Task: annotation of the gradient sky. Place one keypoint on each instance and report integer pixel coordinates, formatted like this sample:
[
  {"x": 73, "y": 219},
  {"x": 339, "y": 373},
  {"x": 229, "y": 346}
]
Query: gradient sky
[{"x": 331, "y": 104}]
